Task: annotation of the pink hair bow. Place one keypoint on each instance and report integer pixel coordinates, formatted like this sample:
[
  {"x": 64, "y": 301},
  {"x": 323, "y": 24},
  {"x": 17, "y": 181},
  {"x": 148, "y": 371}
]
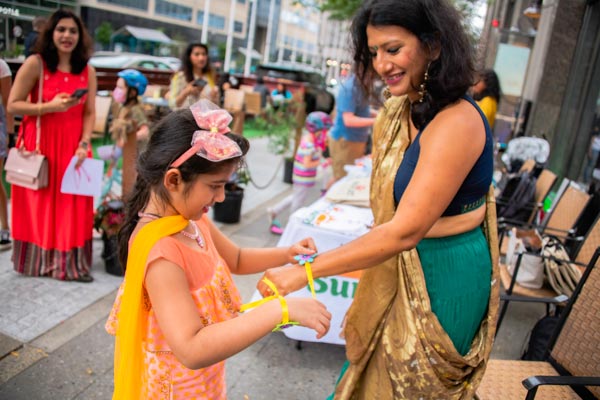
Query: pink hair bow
[{"x": 210, "y": 141}]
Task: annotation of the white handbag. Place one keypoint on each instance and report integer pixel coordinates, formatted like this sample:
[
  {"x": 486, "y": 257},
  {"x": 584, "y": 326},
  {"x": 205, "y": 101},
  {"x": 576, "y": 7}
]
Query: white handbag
[{"x": 531, "y": 268}]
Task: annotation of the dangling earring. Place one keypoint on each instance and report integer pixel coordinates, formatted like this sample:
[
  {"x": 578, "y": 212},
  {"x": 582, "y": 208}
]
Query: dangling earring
[
  {"x": 422, "y": 86},
  {"x": 386, "y": 93}
]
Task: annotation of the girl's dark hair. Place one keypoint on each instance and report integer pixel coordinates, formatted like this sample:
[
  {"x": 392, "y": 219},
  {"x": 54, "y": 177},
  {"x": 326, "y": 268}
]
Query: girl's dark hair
[
  {"x": 45, "y": 47},
  {"x": 436, "y": 23},
  {"x": 186, "y": 63},
  {"x": 492, "y": 85},
  {"x": 171, "y": 138}
]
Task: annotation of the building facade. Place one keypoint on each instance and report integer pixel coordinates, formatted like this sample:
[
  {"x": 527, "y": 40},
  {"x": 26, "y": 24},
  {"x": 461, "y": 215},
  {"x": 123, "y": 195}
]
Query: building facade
[{"x": 553, "y": 90}]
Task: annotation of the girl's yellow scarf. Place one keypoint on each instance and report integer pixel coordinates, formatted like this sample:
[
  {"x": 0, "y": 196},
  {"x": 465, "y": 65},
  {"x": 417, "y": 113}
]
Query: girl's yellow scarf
[{"x": 133, "y": 313}]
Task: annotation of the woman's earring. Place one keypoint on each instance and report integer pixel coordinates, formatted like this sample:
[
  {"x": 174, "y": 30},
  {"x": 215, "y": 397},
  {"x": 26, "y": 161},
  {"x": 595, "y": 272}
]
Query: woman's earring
[
  {"x": 422, "y": 86},
  {"x": 386, "y": 93}
]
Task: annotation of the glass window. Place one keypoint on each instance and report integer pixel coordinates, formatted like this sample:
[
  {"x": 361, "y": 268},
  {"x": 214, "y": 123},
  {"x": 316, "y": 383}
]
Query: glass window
[
  {"x": 139, "y": 4},
  {"x": 238, "y": 26},
  {"x": 241, "y": 1},
  {"x": 214, "y": 21},
  {"x": 173, "y": 10}
]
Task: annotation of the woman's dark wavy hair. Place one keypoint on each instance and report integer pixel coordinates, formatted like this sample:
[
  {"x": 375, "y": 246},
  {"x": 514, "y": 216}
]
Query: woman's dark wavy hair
[
  {"x": 45, "y": 47},
  {"x": 171, "y": 138},
  {"x": 435, "y": 23},
  {"x": 186, "y": 63},
  {"x": 492, "y": 85}
]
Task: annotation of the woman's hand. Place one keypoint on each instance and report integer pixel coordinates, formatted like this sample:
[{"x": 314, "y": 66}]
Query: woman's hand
[
  {"x": 286, "y": 279},
  {"x": 192, "y": 90},
  {"x": 81, "y": 154},
  {"x": 61, "y": 103},
  {"x": 310, "y": 313},
  {"x": 304, "y": 247}
]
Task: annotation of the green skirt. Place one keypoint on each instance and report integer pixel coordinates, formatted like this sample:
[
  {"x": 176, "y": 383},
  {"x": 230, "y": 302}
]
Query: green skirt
[{"x": 458, "y": 272}]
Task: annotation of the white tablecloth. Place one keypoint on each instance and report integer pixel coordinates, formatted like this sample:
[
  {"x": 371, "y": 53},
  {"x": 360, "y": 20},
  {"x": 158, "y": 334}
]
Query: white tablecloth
[{"x": 330, "y": 225}]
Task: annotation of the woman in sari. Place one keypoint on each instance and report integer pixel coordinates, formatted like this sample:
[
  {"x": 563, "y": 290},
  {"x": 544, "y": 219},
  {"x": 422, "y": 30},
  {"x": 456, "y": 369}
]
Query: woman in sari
[{"x": 423, "y": 317}]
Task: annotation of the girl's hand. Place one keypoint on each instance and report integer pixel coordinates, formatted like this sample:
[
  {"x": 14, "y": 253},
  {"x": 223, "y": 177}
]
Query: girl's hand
[
  {"x": 305, "y": 246},
  {"x": 286, "y": 279},
  {"x": 61, "y": 102},
  {"x": 310, "y": 313}
]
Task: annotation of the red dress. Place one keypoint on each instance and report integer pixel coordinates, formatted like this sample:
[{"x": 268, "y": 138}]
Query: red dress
[{"x": 52, "y": 231}]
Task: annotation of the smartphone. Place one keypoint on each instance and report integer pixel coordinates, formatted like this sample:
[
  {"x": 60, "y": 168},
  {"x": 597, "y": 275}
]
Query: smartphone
[
  {"x": 199, "y": 82},
  {"x": 79, "y": 93}
]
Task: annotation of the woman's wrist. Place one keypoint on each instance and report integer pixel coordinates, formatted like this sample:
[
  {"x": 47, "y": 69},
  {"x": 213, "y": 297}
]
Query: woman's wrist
[{"x": 84, "y": 144}]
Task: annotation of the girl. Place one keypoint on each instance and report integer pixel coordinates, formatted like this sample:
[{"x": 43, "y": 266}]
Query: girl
[
  {"x": 176, "y": 315},
  {"x": 131, "y": 123},
  {"x": 307, "y": 159},
  {"x": 196, "y": 79},
  {"x": 487, "y": 93}
]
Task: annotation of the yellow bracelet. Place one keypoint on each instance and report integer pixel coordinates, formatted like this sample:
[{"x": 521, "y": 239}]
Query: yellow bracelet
[{"x": 285, "y": 313}]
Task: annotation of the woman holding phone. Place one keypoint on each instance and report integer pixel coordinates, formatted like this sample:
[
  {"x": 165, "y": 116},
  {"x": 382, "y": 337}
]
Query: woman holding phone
[
  {"x": 52, "y": 231},
  {"x": 195, "y": 80}
]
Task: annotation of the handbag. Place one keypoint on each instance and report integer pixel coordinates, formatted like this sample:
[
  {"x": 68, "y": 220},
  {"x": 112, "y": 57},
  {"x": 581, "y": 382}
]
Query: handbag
[
  {"x": 531, "y": 268},
  {"x": 28, "y": 169},
  {"x": 562, "y": 275}
]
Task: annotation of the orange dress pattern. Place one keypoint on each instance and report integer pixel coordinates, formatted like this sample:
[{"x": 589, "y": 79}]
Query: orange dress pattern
[{"x": 217, "y": 299}]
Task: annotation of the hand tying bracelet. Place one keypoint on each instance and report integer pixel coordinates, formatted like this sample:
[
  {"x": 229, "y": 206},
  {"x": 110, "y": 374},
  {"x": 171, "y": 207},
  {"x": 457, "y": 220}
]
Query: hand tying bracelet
[{"x": 306, "y": 260}]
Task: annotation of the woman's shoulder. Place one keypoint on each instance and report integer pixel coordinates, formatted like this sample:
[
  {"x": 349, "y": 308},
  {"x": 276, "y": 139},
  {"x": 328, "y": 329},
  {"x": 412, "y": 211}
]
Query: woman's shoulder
[{"x": 456, "y": 122}]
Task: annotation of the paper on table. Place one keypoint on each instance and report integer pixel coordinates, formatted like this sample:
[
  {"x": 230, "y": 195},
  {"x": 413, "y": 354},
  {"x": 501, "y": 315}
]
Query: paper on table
[{"x": 85, "y": 180}]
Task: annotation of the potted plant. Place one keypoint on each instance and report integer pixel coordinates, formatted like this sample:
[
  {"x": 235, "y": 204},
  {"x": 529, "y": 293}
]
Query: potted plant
[
  {"x": 230, "y": 210},
  {"x": 280, "y": 125},
  {"x": 108, "y": 219}
]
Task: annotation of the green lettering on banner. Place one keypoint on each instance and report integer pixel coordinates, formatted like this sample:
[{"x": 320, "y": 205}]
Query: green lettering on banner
[{"x": 347, "y": 288}]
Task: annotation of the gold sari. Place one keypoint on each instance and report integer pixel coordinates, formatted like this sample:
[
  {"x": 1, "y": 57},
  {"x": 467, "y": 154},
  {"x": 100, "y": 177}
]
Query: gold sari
[{"x": 396, "y": 347}]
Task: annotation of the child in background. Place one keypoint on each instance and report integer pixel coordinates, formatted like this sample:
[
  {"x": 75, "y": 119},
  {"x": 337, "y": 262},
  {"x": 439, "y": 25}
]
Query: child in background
[
  {"x": 130, "y": 124},
  {"x": 307, "y": 159},
  {"x": 176, "y": 314}
]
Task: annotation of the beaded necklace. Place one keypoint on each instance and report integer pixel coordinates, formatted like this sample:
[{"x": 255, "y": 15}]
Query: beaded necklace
[{"x": 197, "y": 236}]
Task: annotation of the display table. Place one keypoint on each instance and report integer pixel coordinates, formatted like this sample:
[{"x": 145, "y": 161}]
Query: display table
[{"x": 330, "y": 225}]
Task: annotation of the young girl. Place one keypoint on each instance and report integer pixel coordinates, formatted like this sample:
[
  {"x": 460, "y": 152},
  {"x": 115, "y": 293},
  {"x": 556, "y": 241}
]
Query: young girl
[
  {"x": 131, "y": 123},
  {"x": 176, "y": 315},
  {"x": 308, "y": 157}
]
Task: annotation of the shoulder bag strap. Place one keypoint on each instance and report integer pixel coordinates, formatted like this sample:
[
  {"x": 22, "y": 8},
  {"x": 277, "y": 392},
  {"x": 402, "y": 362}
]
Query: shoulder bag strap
[{"x": 38, "y": 122}]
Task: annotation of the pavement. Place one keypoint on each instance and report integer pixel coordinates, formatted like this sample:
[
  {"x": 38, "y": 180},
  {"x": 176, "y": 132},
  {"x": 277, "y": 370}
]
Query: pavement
[{"x": 53, "y": 344}]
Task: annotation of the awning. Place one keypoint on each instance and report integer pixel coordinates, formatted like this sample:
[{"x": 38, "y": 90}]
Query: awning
[
  {"x": 254, "y": 54},
  {"x": 150, "y": 35}
]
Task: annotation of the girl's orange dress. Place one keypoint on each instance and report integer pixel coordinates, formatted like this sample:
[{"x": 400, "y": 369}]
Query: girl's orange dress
[{"x": 217, "y": 299}]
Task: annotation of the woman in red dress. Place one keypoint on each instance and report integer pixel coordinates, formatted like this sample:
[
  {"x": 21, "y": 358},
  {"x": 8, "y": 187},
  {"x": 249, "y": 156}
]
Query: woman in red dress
[{"x": 52, "y": 231}]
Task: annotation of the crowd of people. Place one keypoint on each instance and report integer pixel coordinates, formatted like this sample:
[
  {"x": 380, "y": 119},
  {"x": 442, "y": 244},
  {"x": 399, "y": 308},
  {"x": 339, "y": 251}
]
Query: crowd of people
[{"x": 430, "y": 257}]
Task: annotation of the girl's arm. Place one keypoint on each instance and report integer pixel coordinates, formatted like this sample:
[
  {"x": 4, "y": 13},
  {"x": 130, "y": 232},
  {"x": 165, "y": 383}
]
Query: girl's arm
[
  {"x": 243, "y": 261},
  {"x": 446, "y": 157},
  {"x": 27, "y": 77},
  {"x": 199, "y": 346}
]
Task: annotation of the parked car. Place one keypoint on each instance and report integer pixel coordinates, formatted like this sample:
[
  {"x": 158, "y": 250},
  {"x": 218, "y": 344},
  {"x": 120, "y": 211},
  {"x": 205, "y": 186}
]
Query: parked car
[
  {"x": 316, "y": 96},
  {"x": 130, "y": 60}
]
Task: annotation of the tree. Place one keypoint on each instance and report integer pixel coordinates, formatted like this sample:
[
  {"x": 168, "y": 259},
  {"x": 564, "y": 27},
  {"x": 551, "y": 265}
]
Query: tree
[
  {"x": 345, "y": 9},
  {"x": 103, "y": 34}
]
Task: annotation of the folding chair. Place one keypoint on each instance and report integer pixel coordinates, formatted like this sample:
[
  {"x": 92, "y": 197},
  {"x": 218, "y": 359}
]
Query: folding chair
[
  {"x": 572, "y": 366},
  {"x": 252, "y": 104},
  {"x": 100, "y": 129},
  {"x": 585, "y": 251},
  {"x": 233, "y": 101}
]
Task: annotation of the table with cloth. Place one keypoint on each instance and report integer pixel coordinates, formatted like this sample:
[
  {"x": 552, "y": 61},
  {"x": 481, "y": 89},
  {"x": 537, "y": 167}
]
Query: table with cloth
[{"x": 330, "y": 224}]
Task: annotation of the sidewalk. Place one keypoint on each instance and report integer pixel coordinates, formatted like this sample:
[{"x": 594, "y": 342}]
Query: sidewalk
[{"x": 53, "y": 344}]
